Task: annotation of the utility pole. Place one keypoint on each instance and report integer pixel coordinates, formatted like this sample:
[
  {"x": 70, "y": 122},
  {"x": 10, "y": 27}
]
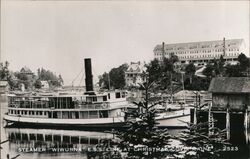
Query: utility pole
[
  {"x": 183, "y": 88},
  {"x": 171, "y": 86}
]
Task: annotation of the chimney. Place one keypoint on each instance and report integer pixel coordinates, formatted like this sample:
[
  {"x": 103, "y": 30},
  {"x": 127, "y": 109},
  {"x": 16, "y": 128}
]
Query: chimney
[
  {"x": 163, "y": 50},
  {"x": 163, "y": 47},
  {"x": 224, "y": 46},
  {"x": 88, "y": 77}
]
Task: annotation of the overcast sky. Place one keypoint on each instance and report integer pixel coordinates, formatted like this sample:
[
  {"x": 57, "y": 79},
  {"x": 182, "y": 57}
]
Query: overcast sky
[{"x": 58, "y": 35}]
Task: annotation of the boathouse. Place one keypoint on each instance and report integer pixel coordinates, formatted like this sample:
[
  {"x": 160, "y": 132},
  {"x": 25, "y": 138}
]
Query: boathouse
[
  {"x": 230, "y": 105},
  {"x": 231, "y": 93}
]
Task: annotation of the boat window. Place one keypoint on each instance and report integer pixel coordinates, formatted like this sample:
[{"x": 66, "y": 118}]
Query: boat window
[
  {"x": 109, "y": 95},
  {"x": 94, "y": 99},
  {"x": 84, "y": 140},
  {"x": 104, "y": 98},
  {"x": 70, "y": 115},
  {"x": 18, "y": 112},
  {"x": 117, "y": 95},
  {"x": 84, "y": 115},
  {"x": 77, "y": 115},
  {"x": 93, "y": 114},
  {"x": 93, "y": 141},
  {"x": 103, "y": 114}
]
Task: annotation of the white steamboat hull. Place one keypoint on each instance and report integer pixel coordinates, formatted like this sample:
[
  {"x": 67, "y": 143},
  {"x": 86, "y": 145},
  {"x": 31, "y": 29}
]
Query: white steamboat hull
[
  {"x": 96, "y": 122},
  {"x": 175, "y": 119}
]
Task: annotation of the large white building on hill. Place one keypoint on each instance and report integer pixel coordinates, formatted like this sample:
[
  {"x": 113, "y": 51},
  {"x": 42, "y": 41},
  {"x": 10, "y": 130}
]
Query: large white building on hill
[{"x": 200, "y": 52}]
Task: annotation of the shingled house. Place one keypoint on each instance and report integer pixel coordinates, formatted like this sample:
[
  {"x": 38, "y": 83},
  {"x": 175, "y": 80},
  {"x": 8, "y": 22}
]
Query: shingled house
[{"x": 230, "y": 92}]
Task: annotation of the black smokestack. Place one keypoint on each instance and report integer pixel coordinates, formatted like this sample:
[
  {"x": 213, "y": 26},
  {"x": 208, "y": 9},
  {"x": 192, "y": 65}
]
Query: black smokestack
[{"x": 89, "y": 76}]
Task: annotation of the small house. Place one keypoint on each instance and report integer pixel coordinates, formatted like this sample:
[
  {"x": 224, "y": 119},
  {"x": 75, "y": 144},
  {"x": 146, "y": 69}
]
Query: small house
[
  {"x": 230, "y": 92},
  {"x": 45, "y": 84},
  {"x": 4, "y": 86}
]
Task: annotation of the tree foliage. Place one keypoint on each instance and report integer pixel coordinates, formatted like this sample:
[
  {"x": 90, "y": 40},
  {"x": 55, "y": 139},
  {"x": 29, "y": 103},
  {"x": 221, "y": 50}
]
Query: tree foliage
[
  {"x": 204, "y": 145},
  {"x": 29, "y": 79},
  {"x": 154, "y": 70},
  {"x": 244, "y": 62},
  {"x": 4, "y": 71},
  {"x": 198, "y": 83},
  {"x": 52, "y": 78},
  {"x": 115, "y": 77},
  {"x": 218, "y": 68},
  {"x": 164, "y": 72},
  {"x": 190, "y": 71}
]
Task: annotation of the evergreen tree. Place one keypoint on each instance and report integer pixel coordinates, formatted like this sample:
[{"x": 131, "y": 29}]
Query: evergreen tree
[{"x": 190, "y": 71}]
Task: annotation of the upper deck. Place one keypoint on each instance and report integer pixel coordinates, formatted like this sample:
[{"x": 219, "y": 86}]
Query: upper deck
[{"x": 106, "y": 100}]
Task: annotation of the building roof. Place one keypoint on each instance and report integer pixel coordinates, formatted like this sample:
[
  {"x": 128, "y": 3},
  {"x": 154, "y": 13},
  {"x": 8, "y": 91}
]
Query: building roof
[
  {"x": 136, "y": 67},
  {"x": 230, "y": 43},
  {"x": 230, "y": 85},
  {"x": 26, "y": 70}
]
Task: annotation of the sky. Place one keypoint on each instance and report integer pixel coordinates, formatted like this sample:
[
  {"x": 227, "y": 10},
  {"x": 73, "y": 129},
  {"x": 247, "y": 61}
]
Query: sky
[{"x": 58, "y": 35}]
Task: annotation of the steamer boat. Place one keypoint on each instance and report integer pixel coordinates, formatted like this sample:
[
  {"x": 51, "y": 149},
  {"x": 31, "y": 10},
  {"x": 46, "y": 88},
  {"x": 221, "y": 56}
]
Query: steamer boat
[{"x": 88, "y": 110}]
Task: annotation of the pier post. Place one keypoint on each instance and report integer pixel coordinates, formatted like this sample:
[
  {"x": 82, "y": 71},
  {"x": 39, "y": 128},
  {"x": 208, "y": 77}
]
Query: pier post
[
  {"x": 228, "y": 124},
  {"x": 246, "y": 125},
  {"x": 210, "y": 122},
  {"x": 195, "y": 116}
]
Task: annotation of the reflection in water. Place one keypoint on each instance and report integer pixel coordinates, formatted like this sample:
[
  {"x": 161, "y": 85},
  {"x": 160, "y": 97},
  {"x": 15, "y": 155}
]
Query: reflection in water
[{"x": 42, "y": 143}]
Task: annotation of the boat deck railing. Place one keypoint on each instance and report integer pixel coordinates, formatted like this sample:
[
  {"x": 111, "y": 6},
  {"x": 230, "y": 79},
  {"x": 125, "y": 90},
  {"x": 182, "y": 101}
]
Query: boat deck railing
[{"x": 75, "y": 106}]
